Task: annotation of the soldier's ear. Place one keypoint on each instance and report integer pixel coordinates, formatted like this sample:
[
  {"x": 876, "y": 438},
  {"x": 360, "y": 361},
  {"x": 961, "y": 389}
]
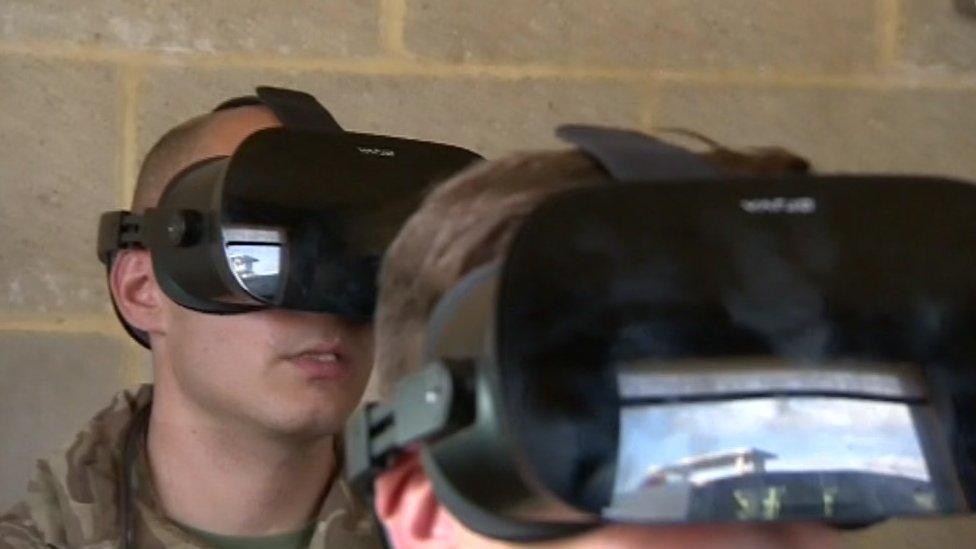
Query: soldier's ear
[
  {"x": 409, "y": 510},
  {"x": 136, "y": 292}
]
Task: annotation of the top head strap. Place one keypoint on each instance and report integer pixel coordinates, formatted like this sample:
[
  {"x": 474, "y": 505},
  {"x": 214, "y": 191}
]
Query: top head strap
[
  {"x": 632, "y": 156},
  {"x": 294, "y": 108}
]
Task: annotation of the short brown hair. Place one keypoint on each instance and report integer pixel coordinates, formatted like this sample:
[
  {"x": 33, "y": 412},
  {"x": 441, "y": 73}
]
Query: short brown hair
[
  {"x": 469, "y": 220},
  {"x": 464, "y": 223},
  {"x": 174, "y": 150}
]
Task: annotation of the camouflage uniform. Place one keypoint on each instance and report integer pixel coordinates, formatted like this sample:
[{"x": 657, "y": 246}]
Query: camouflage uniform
[{"x": 73, "y": 498}]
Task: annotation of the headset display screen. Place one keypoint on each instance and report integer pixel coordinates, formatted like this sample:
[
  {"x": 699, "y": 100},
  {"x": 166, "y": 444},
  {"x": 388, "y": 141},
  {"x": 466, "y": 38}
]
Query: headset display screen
[{"x": 774, "y": 458}]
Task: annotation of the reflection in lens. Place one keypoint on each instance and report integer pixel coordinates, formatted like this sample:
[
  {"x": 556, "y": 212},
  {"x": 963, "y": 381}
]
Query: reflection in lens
[
  {"x": 257, "y": 268},
  {"x": 254, "y": 255},
  {"x": 770, "y": 458}
]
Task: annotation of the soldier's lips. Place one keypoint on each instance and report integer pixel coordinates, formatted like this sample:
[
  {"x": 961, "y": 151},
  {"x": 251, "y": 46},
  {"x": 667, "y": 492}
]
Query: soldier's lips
[{"x": 322, "y": 362}]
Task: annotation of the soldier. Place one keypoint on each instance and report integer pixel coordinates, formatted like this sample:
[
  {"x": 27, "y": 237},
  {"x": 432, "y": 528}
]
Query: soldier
[
  {"x": 239, "y": 447},
  {"x": 466, "y": 223}
]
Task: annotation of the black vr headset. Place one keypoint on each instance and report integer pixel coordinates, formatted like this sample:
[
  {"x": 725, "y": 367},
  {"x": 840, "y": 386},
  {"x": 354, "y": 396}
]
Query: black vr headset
[
  {"x": 681, "y": 348},
  {"x": 296, "y": 218}
]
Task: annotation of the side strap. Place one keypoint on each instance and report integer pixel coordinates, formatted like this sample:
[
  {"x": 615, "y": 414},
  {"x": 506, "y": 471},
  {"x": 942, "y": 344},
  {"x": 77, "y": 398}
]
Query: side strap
[{"x": 633, "y": 156}]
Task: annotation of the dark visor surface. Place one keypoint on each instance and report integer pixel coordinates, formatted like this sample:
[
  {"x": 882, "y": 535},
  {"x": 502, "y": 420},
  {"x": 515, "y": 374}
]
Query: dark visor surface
[
  {"x": 306, "y": 216},
  {"x": 747, "y": 350}
]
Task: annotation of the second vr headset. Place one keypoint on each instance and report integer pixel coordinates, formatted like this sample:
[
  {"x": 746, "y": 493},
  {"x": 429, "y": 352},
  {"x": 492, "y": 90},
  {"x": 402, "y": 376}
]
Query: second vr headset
[
  {"x": 296, "y": 218},
  {"x": 669, "y": 350}
]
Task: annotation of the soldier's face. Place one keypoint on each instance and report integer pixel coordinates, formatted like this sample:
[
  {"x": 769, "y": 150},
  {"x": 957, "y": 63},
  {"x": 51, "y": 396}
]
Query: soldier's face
[{"x": 289, "y": 373}]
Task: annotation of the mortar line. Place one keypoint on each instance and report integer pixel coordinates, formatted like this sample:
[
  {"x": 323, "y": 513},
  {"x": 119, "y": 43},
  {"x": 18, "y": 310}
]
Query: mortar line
[
  {"x": 133, "y": 364},
  {"x": 74, "y": 324},
  {"x": 650, "y": 105},
  {"x": 393, "y": 14},
  {"x": 129, "y": 83},
  {"x": 379, "y": 66},
  {"x": 889, "y": 18}
]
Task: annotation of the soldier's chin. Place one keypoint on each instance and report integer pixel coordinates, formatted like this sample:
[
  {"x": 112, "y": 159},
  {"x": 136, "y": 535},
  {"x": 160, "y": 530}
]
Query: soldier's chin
[{"x": 309, "y": 422}]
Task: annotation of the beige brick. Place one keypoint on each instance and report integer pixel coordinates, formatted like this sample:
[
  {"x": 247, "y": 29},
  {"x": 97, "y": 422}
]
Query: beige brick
[
  {"x": 787, "y": 35},
  {"x": 305, "y": 27},
  {"x": 910, "y": 131},
  {"x": 936, "y": 39},
  {"x": 949, "y": 533},
  {"x": 59, "y": 160},
  {"x": 487, "y": 115},
  {"x": 51, "y": 386}
]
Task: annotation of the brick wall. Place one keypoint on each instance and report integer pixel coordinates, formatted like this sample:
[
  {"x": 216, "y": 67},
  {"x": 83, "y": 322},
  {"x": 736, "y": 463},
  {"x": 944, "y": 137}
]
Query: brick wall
[{"x": 86, "y": 87}]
